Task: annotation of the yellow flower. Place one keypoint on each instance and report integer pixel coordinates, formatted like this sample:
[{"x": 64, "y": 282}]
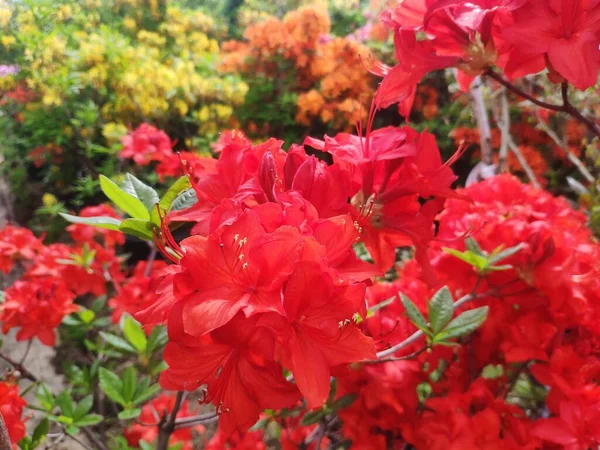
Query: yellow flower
[
  {"x": 8, "y": 41},
  {"x": 129, "y": 23},
  {"x": 114, "y": 131},
  {"x": 49, "y": 200},
  {"x": 5, "y": 15}
]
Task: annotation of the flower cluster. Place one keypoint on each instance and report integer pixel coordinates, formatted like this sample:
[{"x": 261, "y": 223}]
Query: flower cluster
[
  {"x": 476, "y": 36},
  {"x": 526, "y": 379},
  {"x": 329, "y": 86},
  {"x": 54, "y": 275},
  {"x": 147, "y": 144},
  {"x": 11, "y": 409},
  {"x": 270, "y": 281}
]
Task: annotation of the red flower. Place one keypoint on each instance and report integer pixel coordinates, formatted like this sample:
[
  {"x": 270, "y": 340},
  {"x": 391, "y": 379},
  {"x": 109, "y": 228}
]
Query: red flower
[
  {"x": 139, "y": 291},
  {"x": 318, "y": 331},
  {"x": 563, "y": 35},
  {"x": 16, "y": 244},
  {"x": 249, "y": 440},
  {"x": 37, "y": 308},
  {"x": 147, "y": 429},
  {"x": 236, "y": 363},
  {"x": 84, "y": 233},
  {"x": 577, "y": 428},
  {"x": 145, "y": 144},
  {"x": 11, "y": 409},
  {"x": 238, "y": 267}
]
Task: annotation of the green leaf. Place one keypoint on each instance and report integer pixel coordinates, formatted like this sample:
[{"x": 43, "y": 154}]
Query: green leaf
[
  {"x": 139, "y": 228},
  {"x": 86, "y": 315},
  {"x": 158, "y": 338},
  {"x": 40, "y": 432},
  {"x": 124, "y": 201},
  {"x": 312, "y": 417},
  {"x": 182, "y": 184},
  {"x": 162, "y": 365},
  {"x": 472, "y": 246},
  {"x": 464, "y": 324},
  {"x": 184, "y": 200},
  {"x": 45, "y": 397},
  {"x": 65, "y": 403},
  {"x": 89, "y": 420},
  {"x": 83, "y": 407},
  {"x": 73, "y": 430},
  {"x": 140, "y": 190},
  {"x": 491, "y": 371},
  {"x": 146, "y": 394},
  {"x": 111, "y": 385},
  {"x": 414, "y": 314},
  {"x": 129, "y": 383},
  {"x": 343, "y": 402},
  {"x": 477, "y": 261},
  {"x": 499, "y": 254},
  {"x": 440, "y": 309},
  {"x": 117, "y": 342},
  {"x": 129, "y": 413},
  {"x": 145, "y": 446},
  {"x": 134, "y": 334},
  {"x": 108, "y": 223},
  {"x": 378, "y": 306}
]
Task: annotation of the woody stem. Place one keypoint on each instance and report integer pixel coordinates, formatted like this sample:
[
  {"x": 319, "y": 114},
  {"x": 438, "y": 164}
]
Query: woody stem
[
  {"x": 18, "y": 366},
  {"x": 566, "y": 107},
  {"x": 166, "y": 426}
]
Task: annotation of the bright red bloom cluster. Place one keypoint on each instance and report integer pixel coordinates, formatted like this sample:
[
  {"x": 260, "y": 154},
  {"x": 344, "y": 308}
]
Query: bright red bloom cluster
[
  {"x": 541, "y": 336},
  {"x": 147, "y": 430},
  {"x": 147, "y": 144},
  {"x": 17, "y": 244},
  {"x": 54, "y": 275},
  {"x": 138, "y": 290},
  {"x": 11, "y": 408},
  {"x": 270, "y": 279},
  {"x": 520, "y": 36},
  {"x": 84, "y": 233}
]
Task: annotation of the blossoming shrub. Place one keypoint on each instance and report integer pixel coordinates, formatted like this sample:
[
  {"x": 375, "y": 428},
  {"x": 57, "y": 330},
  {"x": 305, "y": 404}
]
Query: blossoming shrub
[
  {"x": 308, "y": 75},
  {"x": 336, "y": 294},
  {"x": 87, "y": 82}
]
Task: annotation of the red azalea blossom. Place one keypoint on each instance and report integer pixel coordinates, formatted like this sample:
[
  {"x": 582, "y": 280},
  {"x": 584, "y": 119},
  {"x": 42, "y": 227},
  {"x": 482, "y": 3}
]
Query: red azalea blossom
[
  {"x": 83, "y": 233},
  {"x": 36, "y": 308},
  {"x": 146, "y": 144},
  {"x": 16, "y": 244},
  {"x": 11, "y": 408}
]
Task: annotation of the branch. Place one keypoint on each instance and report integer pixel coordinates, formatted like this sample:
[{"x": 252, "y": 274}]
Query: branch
[
  {"x": 4, "y": 437},
  {"x": 572, "y": 111},
  {"x": 396, "y": 358},
  {"x": 566, "y": 107},
  {"x": 523, "y": 162},
  {"x": 521, "y": 93},
  {"x": 504, "y": 125},
  {"x": 20, "y": 368},
  {"x": 167, "y": 424},
  {"x": 200, "y": 419},
  {"x": 483, "y": 122},
  {"x": 570, "y": 155}
]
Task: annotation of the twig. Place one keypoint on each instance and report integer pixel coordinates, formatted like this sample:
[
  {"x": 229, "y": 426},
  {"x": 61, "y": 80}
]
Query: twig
[
  {"x": 523, "y": 162},
  {"x": 566, "y": 107},
  {"x": 17, "y": 366},
  {"x": 483, "y": 122},
  {"x": 504, "y": 125},
  {"x": 4, "y": 437},
  {"x": 570, "y": 155},
  {"x": 187, "y": 422},
  {"x": 24, "y": 357},
  {"x": 396, "y": 358},
  {"x": 90, "y": 435},
  {"x": 167, "y": 424},
  {"x": 80, "y": 442},
  {"x": 150, "y": 260}
]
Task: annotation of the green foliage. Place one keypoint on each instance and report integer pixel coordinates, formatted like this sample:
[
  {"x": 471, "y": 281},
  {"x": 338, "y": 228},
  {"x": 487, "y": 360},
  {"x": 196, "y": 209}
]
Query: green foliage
[
  {"x": 441, "y": 327},
  {"x": 481, "y": 261}
]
